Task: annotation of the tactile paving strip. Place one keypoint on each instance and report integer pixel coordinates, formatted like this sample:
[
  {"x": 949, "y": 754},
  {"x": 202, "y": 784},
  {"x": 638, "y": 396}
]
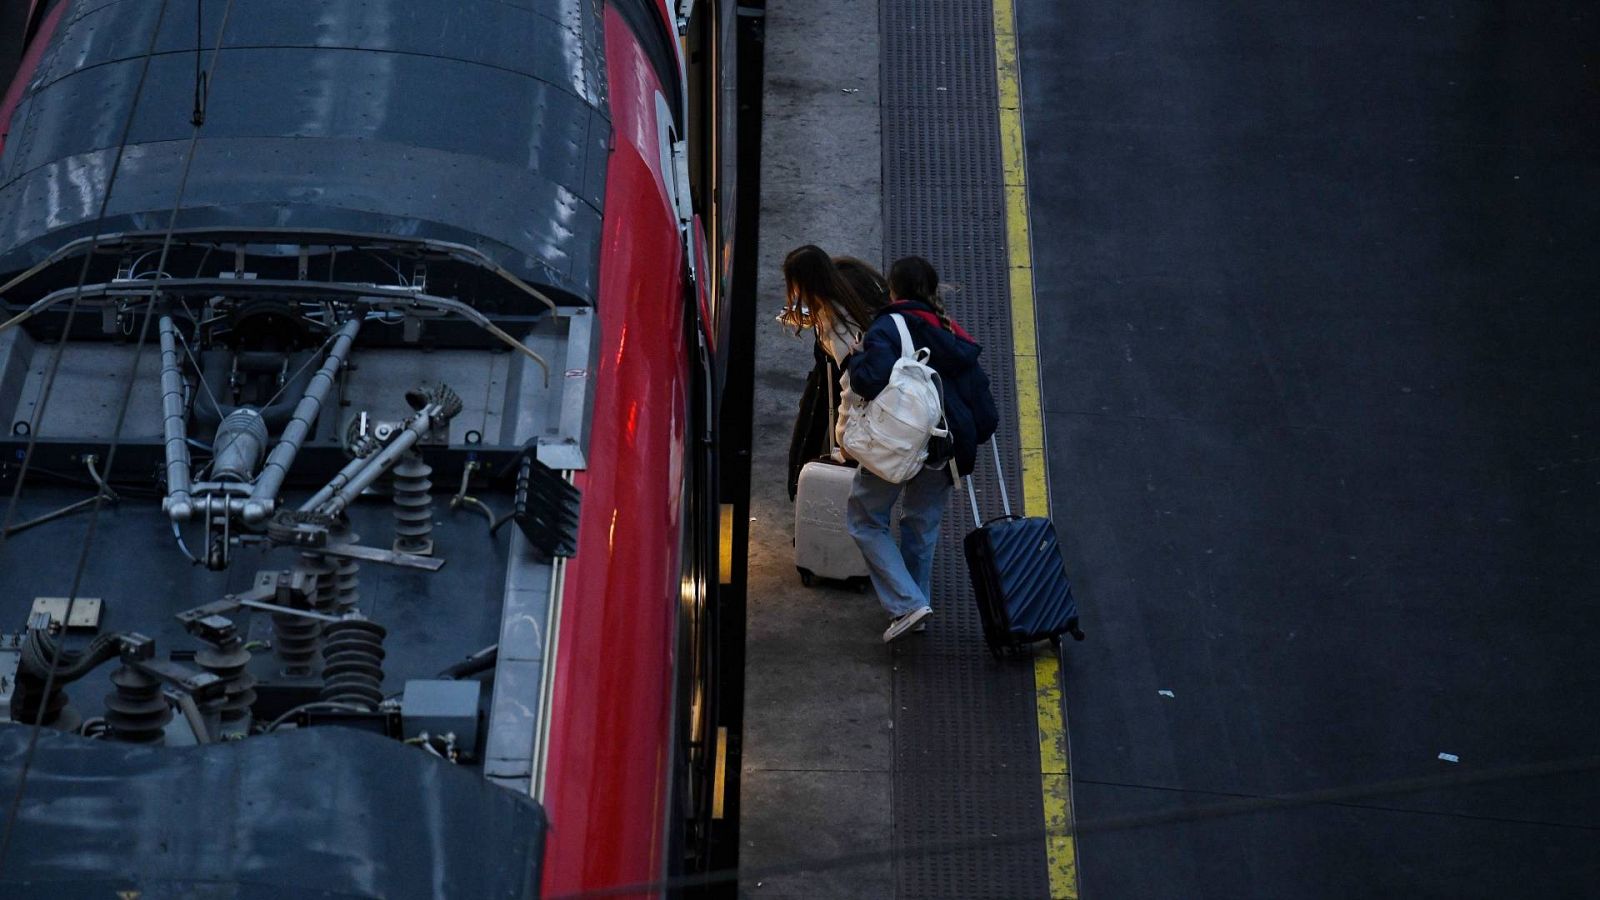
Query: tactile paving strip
[{"x": 966, "y": 733}]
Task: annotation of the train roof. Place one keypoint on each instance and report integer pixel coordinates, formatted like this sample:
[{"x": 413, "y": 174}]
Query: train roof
[
  {"x": 425, "y": 178},
  {"x": 477, "y": 123}
]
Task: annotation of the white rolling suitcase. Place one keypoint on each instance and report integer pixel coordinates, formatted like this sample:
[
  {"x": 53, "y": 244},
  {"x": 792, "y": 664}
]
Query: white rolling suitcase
[{"x": 823, "y": 547}]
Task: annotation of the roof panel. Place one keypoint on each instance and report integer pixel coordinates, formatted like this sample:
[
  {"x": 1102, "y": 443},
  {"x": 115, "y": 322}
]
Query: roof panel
[
  {"x": 474, "y": 121},
  {"x": 101, "y": 817}
]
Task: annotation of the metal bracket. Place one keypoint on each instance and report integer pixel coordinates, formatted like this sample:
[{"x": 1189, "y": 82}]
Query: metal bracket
[
  {"x": 85, "y": 612},
  {"x": 285, "y": 586},
  {"x": 139, "y": 652},
  {"x": 387, "y": 557},
  {"x": 683, "y": 193},
  {"x": 10, "y": 662}
]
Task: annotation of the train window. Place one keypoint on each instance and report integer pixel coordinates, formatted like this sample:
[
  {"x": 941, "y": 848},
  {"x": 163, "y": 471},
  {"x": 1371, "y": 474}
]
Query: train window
[
  {"x": 697, "y": 23},
  {"x": 709, "y": 35}
]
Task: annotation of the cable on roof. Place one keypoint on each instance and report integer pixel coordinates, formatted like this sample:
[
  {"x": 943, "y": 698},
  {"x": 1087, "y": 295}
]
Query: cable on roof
[{"x": 127, "y": 396}]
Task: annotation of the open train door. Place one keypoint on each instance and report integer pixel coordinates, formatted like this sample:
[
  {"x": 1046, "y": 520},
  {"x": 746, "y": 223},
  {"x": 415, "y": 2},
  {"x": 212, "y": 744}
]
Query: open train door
[{"x": 723, "y": 53}]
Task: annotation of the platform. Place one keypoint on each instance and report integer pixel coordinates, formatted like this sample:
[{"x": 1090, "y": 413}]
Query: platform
[
  {"x": 918, "y": 761},
  {"x": 1315, "y": 305}
]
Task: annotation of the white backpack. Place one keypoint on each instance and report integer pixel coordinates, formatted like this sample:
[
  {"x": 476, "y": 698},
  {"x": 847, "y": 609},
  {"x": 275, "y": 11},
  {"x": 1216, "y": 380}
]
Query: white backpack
[{"x": 889, "y": 435}]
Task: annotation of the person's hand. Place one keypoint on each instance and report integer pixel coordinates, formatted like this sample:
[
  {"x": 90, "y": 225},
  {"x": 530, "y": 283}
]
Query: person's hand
[{"x": 795, "y": 317}]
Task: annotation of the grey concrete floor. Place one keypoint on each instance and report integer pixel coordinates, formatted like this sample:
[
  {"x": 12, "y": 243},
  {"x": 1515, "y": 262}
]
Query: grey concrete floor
[{"x": 818, "y": 738}]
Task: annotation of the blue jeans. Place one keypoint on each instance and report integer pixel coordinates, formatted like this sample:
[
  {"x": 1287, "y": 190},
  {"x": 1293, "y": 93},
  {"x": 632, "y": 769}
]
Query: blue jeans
[{"x": 901, "y": 575}]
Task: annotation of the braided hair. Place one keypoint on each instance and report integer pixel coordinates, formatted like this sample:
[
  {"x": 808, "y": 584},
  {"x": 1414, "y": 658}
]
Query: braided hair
[{"x": 914, "y": 278}]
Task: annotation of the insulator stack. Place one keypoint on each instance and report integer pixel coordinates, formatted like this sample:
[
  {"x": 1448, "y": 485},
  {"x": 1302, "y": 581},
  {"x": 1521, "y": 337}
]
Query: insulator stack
[
  {"x": 413, "y": 506},
  {"x": 136, "y": 712},
  {"x": 295, "y": 640},
  {"x": 321, "y": 569},
  {"x": 346, "y": 574},
  {"x": 352, "y": 670},
  {"x": 239, "y": 686}
]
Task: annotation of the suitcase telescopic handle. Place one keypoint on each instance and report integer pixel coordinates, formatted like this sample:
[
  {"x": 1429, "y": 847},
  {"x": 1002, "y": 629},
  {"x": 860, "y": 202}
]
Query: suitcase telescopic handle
[
  {"x": 1000, "y": 476},
  {"x": 833, "y": 413}
]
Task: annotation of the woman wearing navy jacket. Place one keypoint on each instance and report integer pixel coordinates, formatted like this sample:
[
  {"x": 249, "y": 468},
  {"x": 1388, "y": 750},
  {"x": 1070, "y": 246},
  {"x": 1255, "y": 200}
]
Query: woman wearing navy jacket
[{"x": 901, "y": 576}]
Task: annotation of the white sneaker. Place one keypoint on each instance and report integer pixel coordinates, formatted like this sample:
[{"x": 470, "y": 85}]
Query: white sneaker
[{"x": 905, "y": 623}]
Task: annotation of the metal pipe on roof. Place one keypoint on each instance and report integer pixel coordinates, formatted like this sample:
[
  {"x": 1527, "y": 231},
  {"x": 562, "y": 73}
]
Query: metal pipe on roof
[
  {"x": 338, "y": 481},
  {"x": 177, "y": 503},
  {"x": 265, "y": 494},
  {"x": 361, "y": 479}
]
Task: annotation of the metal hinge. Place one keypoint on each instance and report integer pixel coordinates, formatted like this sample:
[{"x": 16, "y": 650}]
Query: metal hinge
[
  {"x": 683, "y": 195},
  {"x": 683, "y": 200}
]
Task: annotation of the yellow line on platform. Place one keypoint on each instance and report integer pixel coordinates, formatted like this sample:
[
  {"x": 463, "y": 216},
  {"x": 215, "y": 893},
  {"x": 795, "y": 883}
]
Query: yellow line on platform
[{"x": 1055, "y": 777}]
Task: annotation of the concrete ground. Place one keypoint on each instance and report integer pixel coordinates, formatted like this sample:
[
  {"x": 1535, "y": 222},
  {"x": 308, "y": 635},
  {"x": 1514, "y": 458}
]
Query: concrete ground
[{"x": 818, "y": 743}]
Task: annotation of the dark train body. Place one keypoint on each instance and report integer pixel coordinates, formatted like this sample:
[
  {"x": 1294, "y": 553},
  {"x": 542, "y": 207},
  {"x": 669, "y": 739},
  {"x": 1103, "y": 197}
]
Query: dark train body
[{"x": 369, "y": 437}]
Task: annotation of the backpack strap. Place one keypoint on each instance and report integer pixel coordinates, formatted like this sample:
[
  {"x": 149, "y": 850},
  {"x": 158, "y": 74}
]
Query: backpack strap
[
  {"x": 833, "y": 412},
  {"x": 906, "y": 347}
]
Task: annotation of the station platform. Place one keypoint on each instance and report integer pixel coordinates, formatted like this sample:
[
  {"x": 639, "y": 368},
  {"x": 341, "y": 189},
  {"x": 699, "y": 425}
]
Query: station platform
[
  {"x": 1314, "y": 304},
  {"x": 911, "y": 770}
]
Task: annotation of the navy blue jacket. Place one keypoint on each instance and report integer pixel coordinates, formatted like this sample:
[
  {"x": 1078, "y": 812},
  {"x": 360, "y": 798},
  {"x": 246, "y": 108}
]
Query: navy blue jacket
[{"x": 969, "y": 409}]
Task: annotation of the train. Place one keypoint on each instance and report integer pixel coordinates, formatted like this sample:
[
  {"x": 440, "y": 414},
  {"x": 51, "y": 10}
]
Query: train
[{"x": 374, "y": 385}]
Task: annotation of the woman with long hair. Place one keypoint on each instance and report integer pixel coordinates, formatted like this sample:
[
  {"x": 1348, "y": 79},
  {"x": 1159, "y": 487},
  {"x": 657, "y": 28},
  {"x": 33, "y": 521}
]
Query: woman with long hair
[
  {"x": 868, "y": 283},
  {"x": 822, "y": 298},
  {"x": 836, "y": 297}
]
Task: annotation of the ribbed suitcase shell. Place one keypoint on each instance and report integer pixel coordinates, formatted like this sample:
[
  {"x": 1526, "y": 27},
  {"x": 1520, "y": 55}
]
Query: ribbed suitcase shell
[
  {"x": 1020, "y": 581},
  {"x": 823, "y": 548}
]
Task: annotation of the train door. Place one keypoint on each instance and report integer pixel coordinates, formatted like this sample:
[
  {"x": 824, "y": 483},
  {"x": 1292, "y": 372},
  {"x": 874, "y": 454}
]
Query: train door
[{"x": 722, "y": 50}]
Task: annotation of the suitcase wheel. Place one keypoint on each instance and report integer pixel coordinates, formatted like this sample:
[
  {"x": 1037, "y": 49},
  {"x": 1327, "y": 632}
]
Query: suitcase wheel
[{"x": 807, "y": 577}]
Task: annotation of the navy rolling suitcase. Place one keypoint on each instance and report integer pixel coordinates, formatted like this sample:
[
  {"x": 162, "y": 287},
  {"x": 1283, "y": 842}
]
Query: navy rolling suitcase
[{"x": 1019, "y": 577}]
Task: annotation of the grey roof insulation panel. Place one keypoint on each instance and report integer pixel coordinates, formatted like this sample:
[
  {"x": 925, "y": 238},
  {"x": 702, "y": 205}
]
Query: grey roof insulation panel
[
  {"x": 332, "y": 812},
  {"x": 469, "y": 121}
]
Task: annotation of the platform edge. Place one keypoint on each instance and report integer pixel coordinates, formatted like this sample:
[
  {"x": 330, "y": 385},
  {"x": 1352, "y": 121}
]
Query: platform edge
[{"x": 1055, "y": 774}]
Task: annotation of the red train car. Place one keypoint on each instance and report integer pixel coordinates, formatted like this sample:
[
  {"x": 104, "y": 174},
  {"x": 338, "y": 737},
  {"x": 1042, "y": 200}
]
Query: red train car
[{"x": 279, "y": 283}]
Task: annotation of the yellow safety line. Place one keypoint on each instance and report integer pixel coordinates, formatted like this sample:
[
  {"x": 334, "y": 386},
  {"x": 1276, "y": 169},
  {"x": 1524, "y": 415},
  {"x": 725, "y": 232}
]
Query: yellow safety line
[{"x": 1055, "y": 777}]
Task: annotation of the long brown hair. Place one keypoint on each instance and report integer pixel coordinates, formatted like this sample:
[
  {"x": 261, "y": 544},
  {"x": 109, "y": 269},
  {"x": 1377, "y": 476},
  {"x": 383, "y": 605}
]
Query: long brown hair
[
  {"x": 914, "y": 278},
  {"x": 812, "y": 279},
  {"x": 868, "y": 283}
]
